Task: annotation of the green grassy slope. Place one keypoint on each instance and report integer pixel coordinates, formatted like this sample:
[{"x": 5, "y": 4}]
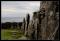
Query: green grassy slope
[{"x": 8, "y": 34}]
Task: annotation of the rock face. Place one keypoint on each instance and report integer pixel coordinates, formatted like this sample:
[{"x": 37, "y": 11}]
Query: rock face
[
  {"x": 44, "y": 23},
  {"x": 51, "y": 20}
]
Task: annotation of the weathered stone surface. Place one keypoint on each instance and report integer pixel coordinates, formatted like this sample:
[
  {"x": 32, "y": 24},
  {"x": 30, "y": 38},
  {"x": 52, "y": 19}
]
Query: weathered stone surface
[
  {"x": 50, "y": 19},
  {"x": 44, "y": 23}
]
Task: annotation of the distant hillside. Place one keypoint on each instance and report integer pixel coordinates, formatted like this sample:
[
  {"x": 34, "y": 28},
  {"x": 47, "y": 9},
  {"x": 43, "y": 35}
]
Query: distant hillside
[{"x": 11, "y": 19}]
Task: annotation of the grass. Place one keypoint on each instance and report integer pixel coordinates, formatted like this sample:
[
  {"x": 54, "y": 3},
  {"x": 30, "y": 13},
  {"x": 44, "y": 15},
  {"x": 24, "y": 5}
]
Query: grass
[{"x": 6, "y": 34}]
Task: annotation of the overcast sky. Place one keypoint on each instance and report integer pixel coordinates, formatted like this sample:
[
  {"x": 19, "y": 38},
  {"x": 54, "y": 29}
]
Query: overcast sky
[{"x": 18, "y": 8}]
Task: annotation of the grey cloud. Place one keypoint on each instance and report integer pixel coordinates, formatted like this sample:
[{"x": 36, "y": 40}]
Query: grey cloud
[{"x": 22, "y": 8}]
